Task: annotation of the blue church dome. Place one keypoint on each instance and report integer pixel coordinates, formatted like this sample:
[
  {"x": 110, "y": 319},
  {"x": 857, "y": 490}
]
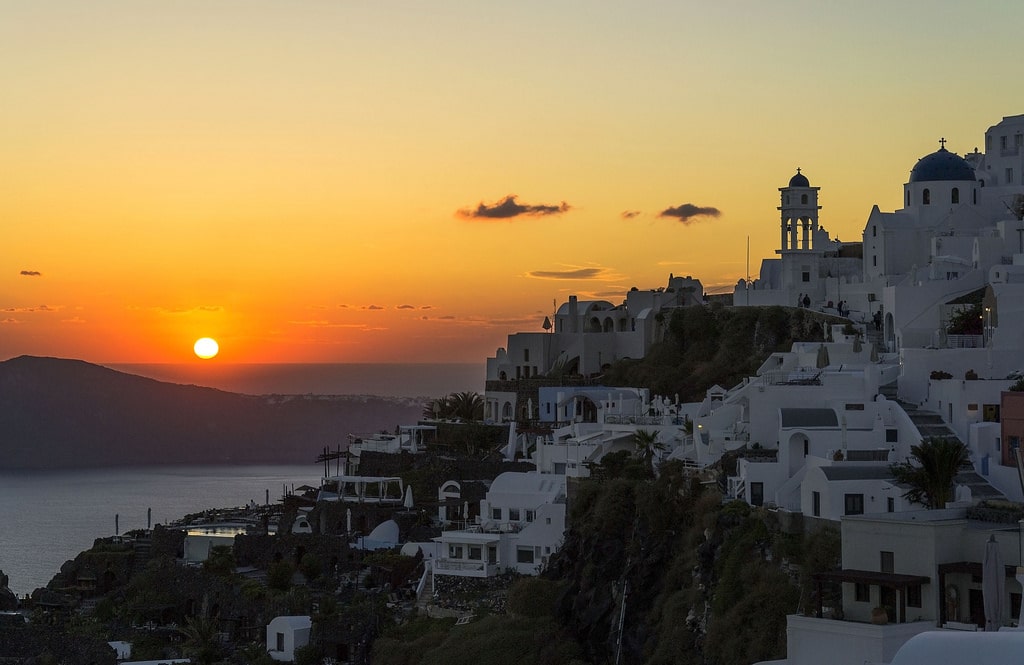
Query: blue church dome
[
  {"x": 799, "y": 180},
  {"x": 941, "y": 165}
]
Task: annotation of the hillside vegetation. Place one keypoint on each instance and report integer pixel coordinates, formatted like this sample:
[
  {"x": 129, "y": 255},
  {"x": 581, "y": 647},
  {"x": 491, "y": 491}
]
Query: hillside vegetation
[{"x": 713, "y": 344}]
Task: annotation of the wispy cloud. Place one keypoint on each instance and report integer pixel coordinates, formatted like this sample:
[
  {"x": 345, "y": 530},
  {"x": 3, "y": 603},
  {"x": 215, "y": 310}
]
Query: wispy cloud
[
  {"x": 406, "y": 307},
  {"x": 320, "y": 323},
  {"x": 10, "y": 321},
  {"x": 39, "y": 308},
  {"x": 76, "y": 319},
  {"x": 175, "y": 311},
  {"x": 686, "y": 212},
  {"x": 629, "y": 214},
  {"x": 31, "y": 273},
  {"x": 509, "y": 208},
  {"x": 575, "y": 272},
  {"x": 372, "y": 308}
]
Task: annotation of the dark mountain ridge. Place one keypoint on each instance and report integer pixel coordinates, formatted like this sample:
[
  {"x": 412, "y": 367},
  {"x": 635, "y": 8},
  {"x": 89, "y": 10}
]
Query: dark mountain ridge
[{"x": 58, "y": 412}]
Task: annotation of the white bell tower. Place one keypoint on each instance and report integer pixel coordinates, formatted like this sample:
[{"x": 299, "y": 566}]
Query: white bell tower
[{"x": 799, "y": 213}]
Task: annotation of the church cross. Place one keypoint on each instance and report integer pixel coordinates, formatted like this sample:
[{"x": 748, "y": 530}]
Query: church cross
[{"x": 942, "y": 143}]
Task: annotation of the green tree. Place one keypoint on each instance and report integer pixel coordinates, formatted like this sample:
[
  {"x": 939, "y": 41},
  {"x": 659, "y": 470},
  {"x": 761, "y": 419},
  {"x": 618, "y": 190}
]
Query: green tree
[
  {"x": 221, "y": 561},
  {"x": 200, "y": 639},
  {"x": 279, "y": 575},
  {"x": 931, "y": 471},
  {"x": 646, "y": 444},
  {"x": 466, "y": 405}
]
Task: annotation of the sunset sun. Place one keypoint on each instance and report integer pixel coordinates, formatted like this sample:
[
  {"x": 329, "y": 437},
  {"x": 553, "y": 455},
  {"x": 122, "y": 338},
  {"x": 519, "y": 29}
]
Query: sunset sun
[{"x": 206, "y": 347}]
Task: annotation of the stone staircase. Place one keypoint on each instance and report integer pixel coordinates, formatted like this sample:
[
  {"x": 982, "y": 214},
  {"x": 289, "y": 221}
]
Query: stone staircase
[
  {"x": 875, "y": 337},
  {"x": 931, "y": 426}
]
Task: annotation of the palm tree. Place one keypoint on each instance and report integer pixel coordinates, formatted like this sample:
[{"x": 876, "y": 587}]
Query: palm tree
[
  {"x": 200, "y": 639},
  {"x": 467, "y": 405},
  {"x": 646, "y": 444},
  {"x": 930, "y": 474},
  {"x": 438, "y": 408}
]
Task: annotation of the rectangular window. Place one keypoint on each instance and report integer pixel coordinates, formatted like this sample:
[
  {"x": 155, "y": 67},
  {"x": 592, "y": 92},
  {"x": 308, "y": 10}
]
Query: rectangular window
[
  {"x": 874, "y": 260},
  {"x": 476, "y": 553},
  {"x": 861, "y": 592},
  {"x": 1002, "y": 142},
  {"x": 280, "y": 642},
  {"x": 454, "y": 551},
  {"x": 757, "y": 494},
  {"x": 524, "y": 555},
  {"x": 854, "y": 504},
  {"x": 886, "y": 562},
  {"x": 892, "y": 435},
  {"x": 1009, "y": 176},
  {"x": 914, "y": 595},
  {"x": 547, "y": 520},
  {"x": 816, "y": 504},
  {"x": 513, "y": 514},
  {"x": 530, "y": 515},
  {"x": 854, "y": 407},
  {"x": 495, "y": 513},
  {"x": 972, "y": 407},
  {"x": 805, "y": 276},
  {"x": 890, "y": 504}
]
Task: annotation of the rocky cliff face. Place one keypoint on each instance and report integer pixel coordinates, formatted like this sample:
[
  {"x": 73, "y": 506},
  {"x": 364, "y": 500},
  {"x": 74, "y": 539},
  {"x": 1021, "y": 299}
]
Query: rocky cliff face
[
  {"x": 62, "y": 413},
  {"x": 658, "y": 571}
]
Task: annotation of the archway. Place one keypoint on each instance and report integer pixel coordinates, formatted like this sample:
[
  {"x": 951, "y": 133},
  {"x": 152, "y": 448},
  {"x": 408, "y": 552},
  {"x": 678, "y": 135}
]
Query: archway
[{"x": 799, "y": 447}]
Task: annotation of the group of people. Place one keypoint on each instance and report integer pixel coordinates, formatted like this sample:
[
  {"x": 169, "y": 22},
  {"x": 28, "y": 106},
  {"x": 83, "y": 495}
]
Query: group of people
[{"x": 803, "y": 300}]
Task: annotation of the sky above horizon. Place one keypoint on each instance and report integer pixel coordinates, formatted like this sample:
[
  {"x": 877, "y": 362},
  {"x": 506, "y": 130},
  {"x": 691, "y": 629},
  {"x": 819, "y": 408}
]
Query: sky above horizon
[{"x": 333, "y": 181}]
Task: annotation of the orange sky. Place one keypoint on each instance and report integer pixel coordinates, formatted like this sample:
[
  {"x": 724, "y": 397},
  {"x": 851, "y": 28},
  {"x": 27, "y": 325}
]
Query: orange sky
[{"x": 287, "y": 177}]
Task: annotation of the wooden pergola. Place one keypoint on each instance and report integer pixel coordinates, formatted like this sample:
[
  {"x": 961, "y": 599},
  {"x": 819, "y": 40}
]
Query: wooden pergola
[{"x": 895, "y": 581}]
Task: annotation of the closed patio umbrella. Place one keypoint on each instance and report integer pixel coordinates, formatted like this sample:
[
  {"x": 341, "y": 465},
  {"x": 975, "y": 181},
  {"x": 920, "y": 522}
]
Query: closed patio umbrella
[{"x": 993, "y": 585}]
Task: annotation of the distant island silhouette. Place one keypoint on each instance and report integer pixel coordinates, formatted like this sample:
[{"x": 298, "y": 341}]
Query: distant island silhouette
[{"x": 59, "y": 413}]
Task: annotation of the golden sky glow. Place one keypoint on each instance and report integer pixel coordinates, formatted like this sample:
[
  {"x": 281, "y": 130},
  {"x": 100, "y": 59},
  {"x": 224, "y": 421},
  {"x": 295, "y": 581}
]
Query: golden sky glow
[{"x": 324, "y": 180}]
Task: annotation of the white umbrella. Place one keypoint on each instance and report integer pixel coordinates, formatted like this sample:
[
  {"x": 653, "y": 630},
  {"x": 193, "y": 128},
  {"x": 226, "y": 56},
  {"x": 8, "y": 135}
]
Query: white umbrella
[
  {"x": 993, "y": 585},
  {"x": 510, "y": 447},
  {"x": 408, "y": 498}
]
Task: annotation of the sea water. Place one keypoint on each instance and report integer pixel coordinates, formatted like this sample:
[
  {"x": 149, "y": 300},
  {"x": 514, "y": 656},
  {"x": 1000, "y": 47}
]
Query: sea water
[{"x": 51, "y": 516}]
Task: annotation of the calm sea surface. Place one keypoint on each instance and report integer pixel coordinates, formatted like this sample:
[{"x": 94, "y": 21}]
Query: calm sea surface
[{"x": 51, "y": 516}]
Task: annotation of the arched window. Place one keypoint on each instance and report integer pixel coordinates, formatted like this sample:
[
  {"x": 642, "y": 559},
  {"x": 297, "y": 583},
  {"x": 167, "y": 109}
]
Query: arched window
[
  {"x": 803, "y": 199},
  {"x": 955, "y": 196},
  {"x": 874, "y": 231},
  {"x": 974, "y": 193},
  {"x": 908, "y": 198},
  {"x": 926, "y": 197}
]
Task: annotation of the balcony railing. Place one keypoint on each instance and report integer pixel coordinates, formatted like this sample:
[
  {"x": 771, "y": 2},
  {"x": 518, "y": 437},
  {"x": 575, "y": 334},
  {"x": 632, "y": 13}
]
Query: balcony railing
[
  {"x": 965, "y": 341},
  {"x": 464, "y": 568}
]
